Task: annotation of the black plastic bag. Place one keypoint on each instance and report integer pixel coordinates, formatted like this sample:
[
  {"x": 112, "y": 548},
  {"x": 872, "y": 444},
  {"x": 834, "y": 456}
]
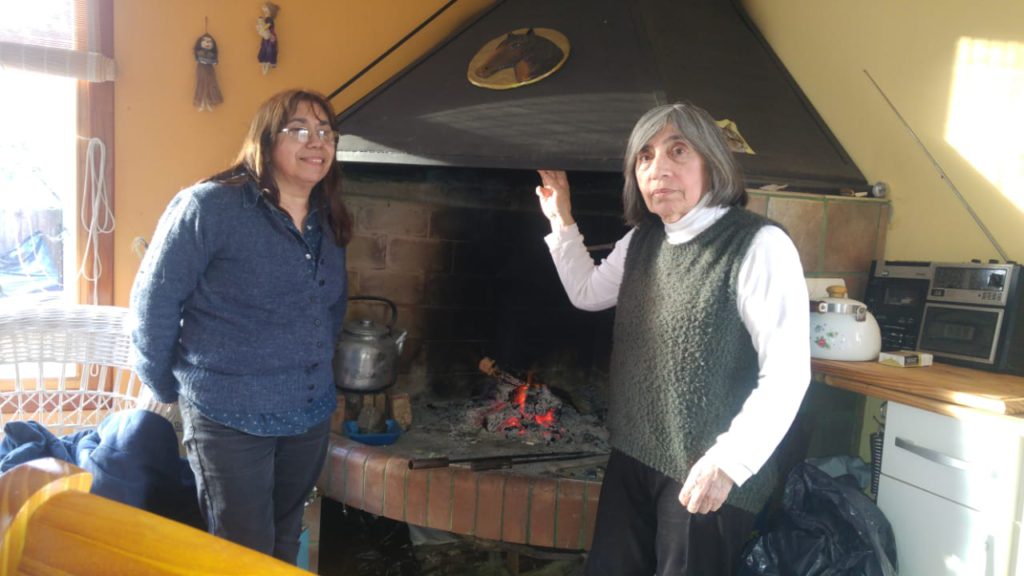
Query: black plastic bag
[{"x": 823, "y": 528}]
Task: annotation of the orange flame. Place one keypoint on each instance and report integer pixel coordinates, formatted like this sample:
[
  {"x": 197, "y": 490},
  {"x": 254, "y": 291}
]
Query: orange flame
[{"x": 519, "y": 395}]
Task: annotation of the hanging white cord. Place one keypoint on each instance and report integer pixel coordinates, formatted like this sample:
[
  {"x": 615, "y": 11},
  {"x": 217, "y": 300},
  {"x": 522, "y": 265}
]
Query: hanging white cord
[{"x": 94, "y": 206}]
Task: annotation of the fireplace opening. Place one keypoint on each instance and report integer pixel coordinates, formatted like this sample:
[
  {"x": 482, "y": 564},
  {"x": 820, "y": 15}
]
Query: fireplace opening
[{"x": 461, "y": 253}]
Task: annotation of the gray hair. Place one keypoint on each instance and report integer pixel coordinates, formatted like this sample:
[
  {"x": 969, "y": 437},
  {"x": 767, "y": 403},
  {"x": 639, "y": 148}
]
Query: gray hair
[{"x": 723, "y": 181}]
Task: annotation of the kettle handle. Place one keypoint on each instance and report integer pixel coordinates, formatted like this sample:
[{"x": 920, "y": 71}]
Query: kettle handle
[{"x": 394, "y": 309}]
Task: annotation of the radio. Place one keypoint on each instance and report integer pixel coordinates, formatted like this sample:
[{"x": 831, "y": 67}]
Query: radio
[
  {"x": 973, "y": 316},
  {"x": 896, "y": 294}
]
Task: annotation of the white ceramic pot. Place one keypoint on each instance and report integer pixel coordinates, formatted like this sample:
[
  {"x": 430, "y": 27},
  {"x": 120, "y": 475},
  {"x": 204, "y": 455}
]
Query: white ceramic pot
[{"x": 843, "y": 329}]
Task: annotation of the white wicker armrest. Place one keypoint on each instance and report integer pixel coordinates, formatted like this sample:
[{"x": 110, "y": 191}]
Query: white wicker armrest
[{"x": 81, "y": 353}]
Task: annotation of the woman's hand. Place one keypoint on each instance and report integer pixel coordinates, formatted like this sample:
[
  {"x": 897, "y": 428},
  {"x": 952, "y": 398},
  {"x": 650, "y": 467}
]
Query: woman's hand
[
  {"x": 705, "y": 489},
  {"x": 554, "y": 198}
]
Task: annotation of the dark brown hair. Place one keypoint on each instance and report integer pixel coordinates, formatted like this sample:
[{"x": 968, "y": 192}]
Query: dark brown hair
[{"x": 254, "y": 161}]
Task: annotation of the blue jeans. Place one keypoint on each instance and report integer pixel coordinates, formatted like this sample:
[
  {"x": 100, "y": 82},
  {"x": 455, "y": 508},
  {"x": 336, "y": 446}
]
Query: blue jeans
[{"x": 252, "y": 489}]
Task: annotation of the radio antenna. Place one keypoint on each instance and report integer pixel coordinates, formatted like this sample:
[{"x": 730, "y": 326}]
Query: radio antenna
[{"x": 942, "y": 173}]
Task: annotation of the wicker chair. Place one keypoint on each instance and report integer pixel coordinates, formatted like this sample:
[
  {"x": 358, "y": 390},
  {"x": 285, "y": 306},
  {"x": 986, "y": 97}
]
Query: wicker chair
[{"x": 82, "y": 355}]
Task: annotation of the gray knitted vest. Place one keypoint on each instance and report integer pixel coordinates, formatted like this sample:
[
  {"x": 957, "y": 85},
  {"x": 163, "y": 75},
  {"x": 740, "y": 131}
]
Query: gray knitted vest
[{"x": 683, "y": 363}]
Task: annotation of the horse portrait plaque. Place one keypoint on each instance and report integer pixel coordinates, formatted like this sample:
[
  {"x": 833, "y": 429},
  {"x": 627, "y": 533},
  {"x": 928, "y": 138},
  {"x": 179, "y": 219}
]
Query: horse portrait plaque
[{"x": 521, "y": 57}]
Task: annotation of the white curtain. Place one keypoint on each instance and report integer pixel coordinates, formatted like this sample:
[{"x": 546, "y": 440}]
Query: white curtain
[
  {"x": 57, "y": 37},
  {"x": 88, "y": 66}
]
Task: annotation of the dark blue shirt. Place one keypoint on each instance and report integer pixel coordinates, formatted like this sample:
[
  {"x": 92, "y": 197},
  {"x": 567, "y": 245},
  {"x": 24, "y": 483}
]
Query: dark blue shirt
[{"x": 238, "y": 311}]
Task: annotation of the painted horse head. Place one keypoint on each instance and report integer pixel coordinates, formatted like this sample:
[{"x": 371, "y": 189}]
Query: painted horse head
[{"x": 528, "y": 54}]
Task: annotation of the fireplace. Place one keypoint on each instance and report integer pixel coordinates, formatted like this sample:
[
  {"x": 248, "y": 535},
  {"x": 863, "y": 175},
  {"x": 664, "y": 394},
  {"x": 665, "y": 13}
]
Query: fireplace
[
  {"x": 461, "y": 253},
  {"x": 439, "y": 176}
]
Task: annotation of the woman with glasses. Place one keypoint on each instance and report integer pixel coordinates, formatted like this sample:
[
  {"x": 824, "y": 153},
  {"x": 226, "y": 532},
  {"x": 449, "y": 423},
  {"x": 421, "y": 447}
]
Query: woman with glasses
[{"x": 237, "y": 307}]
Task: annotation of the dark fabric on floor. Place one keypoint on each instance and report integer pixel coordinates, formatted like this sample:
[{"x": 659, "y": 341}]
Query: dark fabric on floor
[{"x": 132, "y": 455}]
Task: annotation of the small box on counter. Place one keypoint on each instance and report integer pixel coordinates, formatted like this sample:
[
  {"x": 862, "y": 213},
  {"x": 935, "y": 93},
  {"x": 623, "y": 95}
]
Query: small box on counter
[{"x": 905, "y": 359}]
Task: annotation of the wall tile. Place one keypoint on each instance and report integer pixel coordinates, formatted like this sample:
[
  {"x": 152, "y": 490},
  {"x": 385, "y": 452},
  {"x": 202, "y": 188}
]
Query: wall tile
[
  {"x": 856, "y": 284},
  {"x": 591, "y": 492},
  {"x": 468, "y": 290},
  {"x": 400, "y": 288},
  {"x": 444, "y": 355},
  {"x": 367, "y": 252},
  {"x": 374, "y": 482},
  {"x": 474, "y": 258},
  {"x": 489, "y": 505},
  {"x": 394, "y": 218},
  {"x": 396, "y": 471},
  {"x": 335, "y": 481},
  {"x": 569, "y": 515},
  {"x": 463, "y": 224},
  {"x": 416, "y": 496},
  {"x": 377, "y": 189},
  {"x": 355, "y": 462},
  {"x": 758, "y": 204},
  {"x": 411, "y": 318},
  {"x": 419, "y": 255},
  {"x": 851, "y": 233},
  {"x": 439, "y": 502},
  {"x": 464, "y": 507},
  {"x": 804, "y": 220},
  {"x": 516, "y": 509},
  {"x": 542, "y": 513}
]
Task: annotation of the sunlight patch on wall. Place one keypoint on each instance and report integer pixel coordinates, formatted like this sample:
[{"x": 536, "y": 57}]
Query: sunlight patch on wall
[{"x": 986, "y": 115}]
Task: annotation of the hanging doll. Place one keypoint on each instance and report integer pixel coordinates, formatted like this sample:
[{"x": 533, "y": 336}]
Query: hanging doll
[
  {"x": 207, "y": 93},
  {"x": 268, "y": 36}
]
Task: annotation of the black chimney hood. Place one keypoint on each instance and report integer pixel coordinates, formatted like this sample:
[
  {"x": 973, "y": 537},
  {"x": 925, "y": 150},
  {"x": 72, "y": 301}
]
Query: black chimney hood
[{"x": 625, "y": 57}]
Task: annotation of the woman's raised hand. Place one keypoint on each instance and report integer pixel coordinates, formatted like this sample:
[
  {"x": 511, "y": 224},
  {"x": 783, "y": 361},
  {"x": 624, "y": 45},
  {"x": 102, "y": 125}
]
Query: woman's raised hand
[{"x": 553, "y": 193}]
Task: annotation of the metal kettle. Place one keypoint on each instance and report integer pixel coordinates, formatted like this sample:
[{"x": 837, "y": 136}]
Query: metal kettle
[{"x": 366, "y": 355}]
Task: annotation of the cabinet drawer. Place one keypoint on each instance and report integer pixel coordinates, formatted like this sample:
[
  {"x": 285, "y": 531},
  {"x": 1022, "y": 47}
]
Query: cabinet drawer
[
  {"x": 975, "y": 462},
  {"x": 936, "y": 537}
]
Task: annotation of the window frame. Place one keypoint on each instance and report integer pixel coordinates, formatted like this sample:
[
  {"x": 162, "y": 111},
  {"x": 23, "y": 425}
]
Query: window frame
[{"x": 96, "y": 120}]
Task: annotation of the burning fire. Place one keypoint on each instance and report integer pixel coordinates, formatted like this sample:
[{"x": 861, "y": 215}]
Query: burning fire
[
  {"x": 526, "y": 415},
  {"x": 522, "y": 408}
]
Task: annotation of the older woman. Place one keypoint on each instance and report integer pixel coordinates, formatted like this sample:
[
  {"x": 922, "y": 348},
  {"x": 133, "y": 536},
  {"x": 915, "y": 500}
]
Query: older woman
[
  {"x": 710, "y": 359},
  {"x": 238, "y": 303}
]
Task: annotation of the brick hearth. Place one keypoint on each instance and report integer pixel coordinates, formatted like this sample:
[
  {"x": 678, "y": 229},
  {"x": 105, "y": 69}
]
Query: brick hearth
[{"x": 503, "y": 505}]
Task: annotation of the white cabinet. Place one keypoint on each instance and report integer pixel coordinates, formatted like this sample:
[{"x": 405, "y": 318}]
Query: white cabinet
[
  {"x": 934, "y": 536},
  {"x": 950, "y": 487}
]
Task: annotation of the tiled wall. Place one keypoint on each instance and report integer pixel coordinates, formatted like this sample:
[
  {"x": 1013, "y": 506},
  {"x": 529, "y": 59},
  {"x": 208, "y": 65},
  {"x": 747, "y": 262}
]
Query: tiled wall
[
  {"x": 837, "y": 236},
  {"x": 461, "y": 254}
]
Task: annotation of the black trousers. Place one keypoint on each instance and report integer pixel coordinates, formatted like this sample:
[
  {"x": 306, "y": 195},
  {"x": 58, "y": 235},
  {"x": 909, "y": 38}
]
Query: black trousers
[{"x": 642, "y": 529}]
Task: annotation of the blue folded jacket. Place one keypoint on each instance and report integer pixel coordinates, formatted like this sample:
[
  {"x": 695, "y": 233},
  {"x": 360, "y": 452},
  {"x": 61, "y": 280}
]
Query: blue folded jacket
[{"x": 132, "y": 456}]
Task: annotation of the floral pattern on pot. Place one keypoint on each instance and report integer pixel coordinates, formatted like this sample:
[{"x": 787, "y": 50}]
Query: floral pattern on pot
[{"x": 825, "y": 340}]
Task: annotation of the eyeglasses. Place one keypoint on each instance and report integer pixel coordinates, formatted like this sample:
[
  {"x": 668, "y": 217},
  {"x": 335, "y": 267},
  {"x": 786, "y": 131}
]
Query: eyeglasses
[{"x": 325, "y": 135}]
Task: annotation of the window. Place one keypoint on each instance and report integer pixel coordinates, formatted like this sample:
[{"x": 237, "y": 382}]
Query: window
[
  {"x": 54, "y": 196},
  {"x": 37, "y": 187}
]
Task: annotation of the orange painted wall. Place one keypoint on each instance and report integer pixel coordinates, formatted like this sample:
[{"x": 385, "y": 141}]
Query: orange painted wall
[{"x": 163, "y": 144}]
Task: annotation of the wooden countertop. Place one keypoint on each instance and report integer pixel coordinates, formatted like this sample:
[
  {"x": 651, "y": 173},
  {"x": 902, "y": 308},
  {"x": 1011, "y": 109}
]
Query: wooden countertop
[{"x": 941, "y": 388}]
